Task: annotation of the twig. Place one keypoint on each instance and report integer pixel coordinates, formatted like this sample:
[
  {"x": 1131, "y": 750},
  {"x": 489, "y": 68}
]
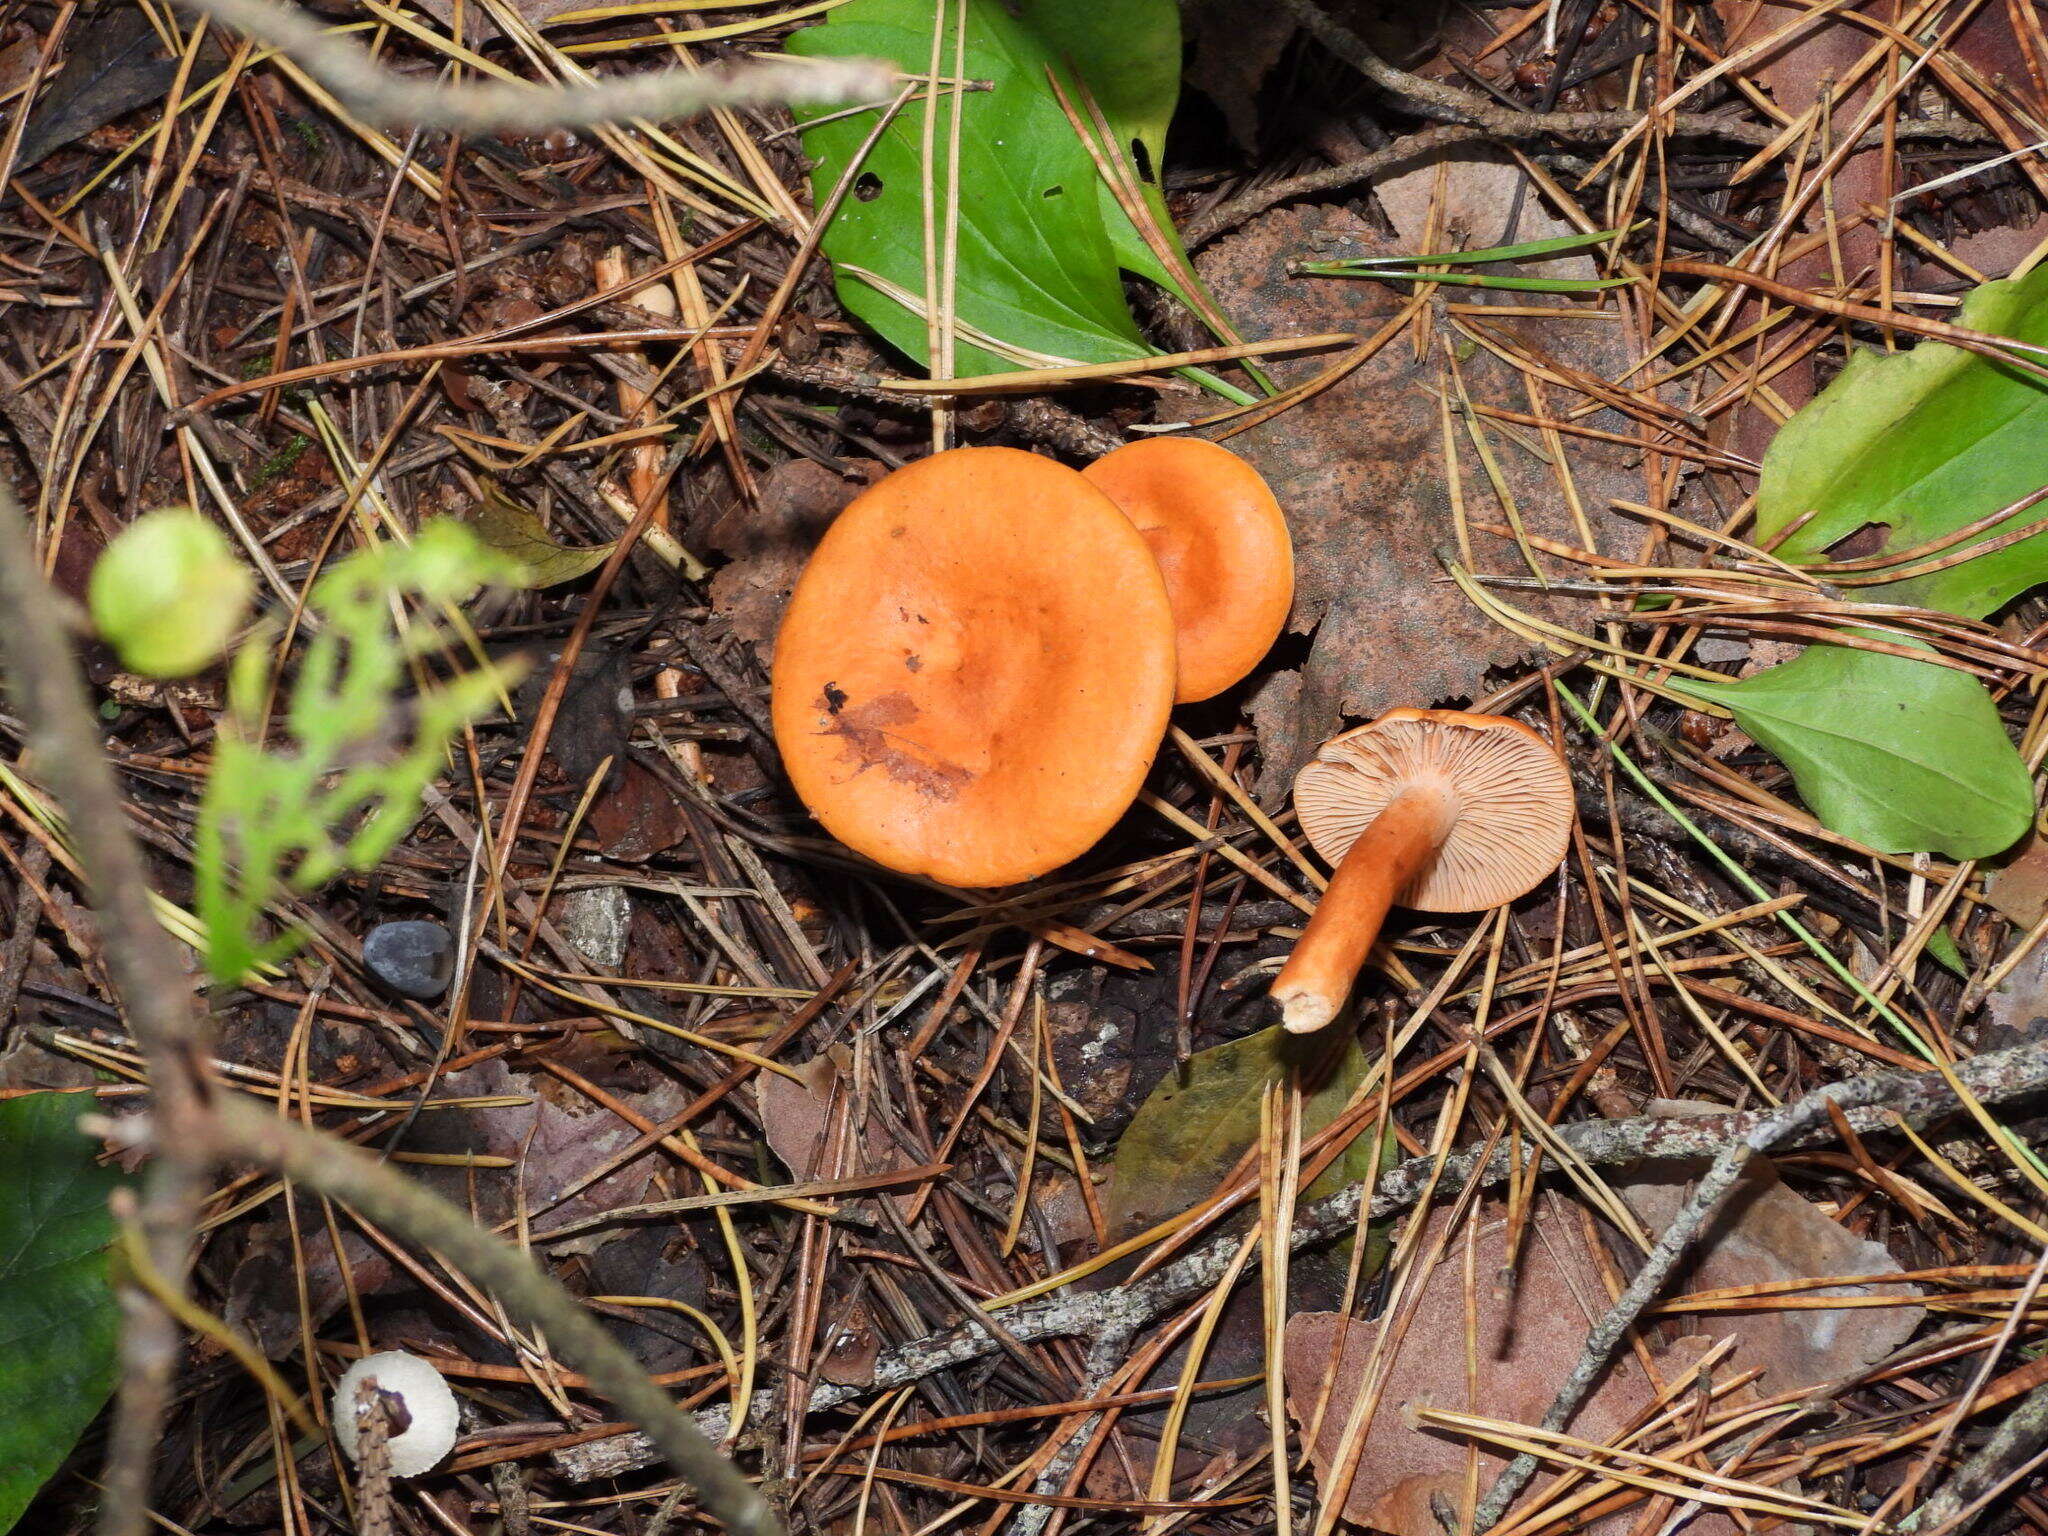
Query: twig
[
  {"x": 1435, "y": 98},
  {"x": 157, "y": 997},
  {"x": 375, "y": 93},
  {"x": 28, "y": 917},
  {"x": 1780, "y": 1125},
  {"x": 237, "y": 1131},
  {"x": 1212, "y": 222},
  {"x": 1997, "y": 1077},
  {"x": 2010, "y": 1453},
  {"x": 1040, "y": 420}
]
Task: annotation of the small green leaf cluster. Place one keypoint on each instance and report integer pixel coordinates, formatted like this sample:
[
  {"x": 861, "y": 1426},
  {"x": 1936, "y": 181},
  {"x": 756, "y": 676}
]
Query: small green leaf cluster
[{"x": 365, "y": 729}]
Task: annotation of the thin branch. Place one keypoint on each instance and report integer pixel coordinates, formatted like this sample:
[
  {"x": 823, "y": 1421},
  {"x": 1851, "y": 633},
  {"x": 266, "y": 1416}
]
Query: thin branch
[
  {"x": 157, "y": 997},
  {"x": 2013, "y": 1450},
  {"x": 373, "y": 92},
  {"x": 1447, "y": 103}
]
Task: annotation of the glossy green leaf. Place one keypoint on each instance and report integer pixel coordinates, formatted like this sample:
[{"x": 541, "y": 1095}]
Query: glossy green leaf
[
  {"x": 1199, "y": 1120},
  {"x": 58, "y": 1321},
  {"x": 1924, "y": 442},
  {"x": 1041, "y": 249},
  {"x": 1905, "y": 756}
]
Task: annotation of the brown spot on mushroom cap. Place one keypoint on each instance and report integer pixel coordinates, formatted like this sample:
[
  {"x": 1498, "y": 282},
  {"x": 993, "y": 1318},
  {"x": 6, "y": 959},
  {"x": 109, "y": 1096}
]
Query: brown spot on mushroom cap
[
  {"x": 1222, "y": 544},
  {"x": 1513, "y": 801},
  {"x": 1044, "y": 651}
]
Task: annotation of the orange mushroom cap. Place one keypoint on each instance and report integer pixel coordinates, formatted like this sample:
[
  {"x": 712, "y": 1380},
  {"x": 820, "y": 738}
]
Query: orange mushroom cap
[
  {"x": 1510, "y": 798},
  {"x": 975, "y": 669},
  {"x": 1222, "y": 544}
]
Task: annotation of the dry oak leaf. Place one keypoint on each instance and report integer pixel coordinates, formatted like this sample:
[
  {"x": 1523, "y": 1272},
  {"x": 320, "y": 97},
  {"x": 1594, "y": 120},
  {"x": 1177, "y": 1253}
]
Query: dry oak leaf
[
  {"x": 770, "y": 543},
  {"x": 1361, "y": 471},
  {"x": 555, "y": 1138},
  {"x": 1524, "y": 1341},
  {"x": 1765, "y": 1232}
]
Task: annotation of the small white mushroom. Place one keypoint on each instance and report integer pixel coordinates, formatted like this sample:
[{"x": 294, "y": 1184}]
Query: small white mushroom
[{"x": 428, "y": 1404}]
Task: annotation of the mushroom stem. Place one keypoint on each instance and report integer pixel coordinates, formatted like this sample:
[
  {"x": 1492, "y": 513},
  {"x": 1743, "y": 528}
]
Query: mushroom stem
[{"x": 1388, "y": 855}]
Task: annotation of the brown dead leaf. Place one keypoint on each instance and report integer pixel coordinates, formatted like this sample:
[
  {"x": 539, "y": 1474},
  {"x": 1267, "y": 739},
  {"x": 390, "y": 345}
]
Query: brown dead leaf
[
  {"x": 557, "y": 1136},
  {"x": 637, "y": 815},
  {"x": 2019, "y": 1005},
  {"x": 1471, "y": 192},
  {"x": 2019, "y": 889},
  {"x": 1524, "y": 1341},
  {"x": 1766, "y": 1232},
  {"x": 795, "y": 1117},
  {"x": 1360, "y": 469},
  {"x": 769, "y": 546}
]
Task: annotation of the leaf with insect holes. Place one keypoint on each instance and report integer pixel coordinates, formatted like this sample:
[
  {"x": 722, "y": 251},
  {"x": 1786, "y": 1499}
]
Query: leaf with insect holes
[
  {"x": 1904, "y": 756},
  {"x": 1920, "y": 444},
  {"x": 58, "y": 1320},
  {"x": 511, "y": 530},
  {"x": 1202, "y": 1116},
  {"x": 1127, "y": 53},
  {"x": 1041, "y": 248}
]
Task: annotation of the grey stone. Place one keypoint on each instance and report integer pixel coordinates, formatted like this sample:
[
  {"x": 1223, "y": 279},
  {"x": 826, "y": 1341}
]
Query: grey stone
[{"x": 413, "y": 958}]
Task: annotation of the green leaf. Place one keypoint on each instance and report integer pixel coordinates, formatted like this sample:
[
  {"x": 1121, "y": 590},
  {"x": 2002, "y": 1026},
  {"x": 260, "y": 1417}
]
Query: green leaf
[
  {"x": 511, "y": 530},
  {"x": 1923, "y": 442},
  {"x": 1127, "y": 53},
  {"x": 1038, "y": 267},
  {"x": 1469, "y": 279},
  {"x": 1522, "y": 251},
  {"x": 58, "y": 1320},
  {"x": 1941, "y": 946},
  {"x": 1905, "y": 756},
  {"x": 1199, "y": 1120}
]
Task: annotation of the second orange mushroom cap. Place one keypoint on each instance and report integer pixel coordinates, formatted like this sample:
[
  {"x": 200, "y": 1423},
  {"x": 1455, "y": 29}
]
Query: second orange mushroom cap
[
  {"x": 975, "y": 670},
  {"x": 1222, "y": 544}
]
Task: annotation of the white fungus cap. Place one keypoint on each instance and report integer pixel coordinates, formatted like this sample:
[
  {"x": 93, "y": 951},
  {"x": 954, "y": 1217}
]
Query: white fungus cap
[{"x": 424, "y": 1390}]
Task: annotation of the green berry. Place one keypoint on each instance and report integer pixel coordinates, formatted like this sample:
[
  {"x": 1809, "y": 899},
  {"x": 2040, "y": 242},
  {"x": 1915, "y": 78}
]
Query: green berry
[{"x": 169, "y": 593}]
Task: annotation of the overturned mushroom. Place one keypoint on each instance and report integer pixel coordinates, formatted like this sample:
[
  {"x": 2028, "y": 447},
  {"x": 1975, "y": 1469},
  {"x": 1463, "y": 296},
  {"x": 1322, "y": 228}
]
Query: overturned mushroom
[
  {"x": 1222, "y": 544},
  {"x": 420, "y": 1410},
  {"x": 1433, "y": 808},
  {"x": 975, "y": 669}
]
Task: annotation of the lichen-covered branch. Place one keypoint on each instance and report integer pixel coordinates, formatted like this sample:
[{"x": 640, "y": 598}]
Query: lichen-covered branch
[
  {"x": 237, "y": 1131},
  {"x": 157, "y": 997},
  {"x": 1879, "y": 1101}
]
